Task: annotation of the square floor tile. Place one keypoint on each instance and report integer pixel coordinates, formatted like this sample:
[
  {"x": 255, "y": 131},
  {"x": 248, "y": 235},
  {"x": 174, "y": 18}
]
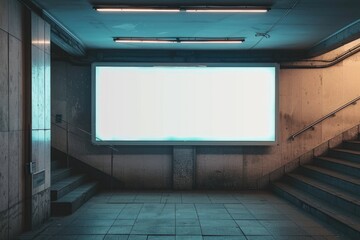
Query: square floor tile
[
  {"x": 120, "y": 230},
  {"x": 188, "y": 230},
  {"x": 255, "y": 231},
  {"x": 186, "y": 222},
  {"x": 189, "y": 238},
  {"x": 83, "y": 230},
  {"x": 248, "y": 223},
  {"x": 224, "y": 237},
  {"x": 124, "y": 222},
  {"x": 208, "y": 215},
  {"x": 137, "y": 237},
  {"x": 153, "y": 230},
  {"x": 287, "y": 231},
  {"x": 260, "y": 238},
  {"x": 91, "y": 237},
  {"x": 230, "y": 231},
  {"x": 116, "y": 237},
  {"x": 155, "y": 237},
  {"x": 92, "y": 222},
  {"x": 217, "y": 223}
]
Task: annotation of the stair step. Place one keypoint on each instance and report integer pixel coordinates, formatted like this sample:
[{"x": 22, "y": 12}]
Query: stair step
[
  {"x": 339, "y": 165},
  {"x": 346, "y": 182},
  {"x": 332, "y": 195},
  {"x": 332, "y": 215},
  {"x": 346, "y": 154},
  {"x": 352, "y": 145},
  {"x": 66, "y": 185},
  {"x": 73, "y": 200},
  {"x": 59, "y": 174},
  {"x": 56, "y": 164}
]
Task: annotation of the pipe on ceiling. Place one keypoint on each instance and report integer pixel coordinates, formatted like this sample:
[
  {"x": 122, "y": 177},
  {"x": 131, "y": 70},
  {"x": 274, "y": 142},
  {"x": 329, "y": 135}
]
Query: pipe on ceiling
[
  {"x": 323, "y": 63},
  {"x": 284, "y": 64}
]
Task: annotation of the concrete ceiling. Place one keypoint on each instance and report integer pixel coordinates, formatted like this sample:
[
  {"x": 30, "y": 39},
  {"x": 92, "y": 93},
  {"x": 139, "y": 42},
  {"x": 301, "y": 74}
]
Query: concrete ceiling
[{"x": 291, "y": 24}]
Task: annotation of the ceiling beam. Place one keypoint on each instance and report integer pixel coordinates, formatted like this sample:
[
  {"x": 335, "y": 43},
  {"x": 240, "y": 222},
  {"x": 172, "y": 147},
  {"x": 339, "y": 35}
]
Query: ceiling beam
[
  {"x": 136, "y": 55},
  {"x": 59, "y": 34},
  {"x": 64, "y": 38},
  {"x": 338, "y": 39}
]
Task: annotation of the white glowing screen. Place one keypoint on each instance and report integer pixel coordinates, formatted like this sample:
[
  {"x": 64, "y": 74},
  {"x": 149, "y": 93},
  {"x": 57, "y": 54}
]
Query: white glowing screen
[{"x": 185, "y": 104}]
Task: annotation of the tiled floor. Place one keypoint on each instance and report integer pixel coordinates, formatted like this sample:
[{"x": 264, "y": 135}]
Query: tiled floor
[{"x": 186, "y": 216}]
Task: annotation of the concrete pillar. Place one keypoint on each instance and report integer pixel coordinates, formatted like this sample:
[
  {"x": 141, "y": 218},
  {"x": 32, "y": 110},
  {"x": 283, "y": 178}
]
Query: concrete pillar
[{"x": 183, "y": 167}]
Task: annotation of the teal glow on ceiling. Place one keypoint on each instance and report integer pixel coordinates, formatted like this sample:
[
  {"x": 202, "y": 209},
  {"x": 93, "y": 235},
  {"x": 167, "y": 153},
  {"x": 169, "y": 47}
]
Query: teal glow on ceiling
[{"x": 291, "y": 24}]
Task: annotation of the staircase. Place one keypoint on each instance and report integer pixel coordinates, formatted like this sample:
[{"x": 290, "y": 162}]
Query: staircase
[
  {"x": 69, "y": 189},
  {"x": 328, "y": 188}
]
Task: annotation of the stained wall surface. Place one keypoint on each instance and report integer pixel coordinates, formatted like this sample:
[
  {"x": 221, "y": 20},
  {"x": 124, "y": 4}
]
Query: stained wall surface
[
  {"x": 305, "y": 95},
  {"x": 11, "y": 120},
  {"x": 40, "y": 119},
  {"x": 14, "y": 52}
]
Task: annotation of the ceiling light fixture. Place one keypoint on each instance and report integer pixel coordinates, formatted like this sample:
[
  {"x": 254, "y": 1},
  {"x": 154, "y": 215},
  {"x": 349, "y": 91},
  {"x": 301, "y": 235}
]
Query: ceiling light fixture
[
  {"x": 132, "y": 9},
  {"x": 180, "y": 40},
  {"x": 228, "y": 10},
  {"x": 189, "y": 9},
  {"x": 213, "y": 41},
  {"x": 139, "y": 40},
  {"x": 40, "y": 42}
]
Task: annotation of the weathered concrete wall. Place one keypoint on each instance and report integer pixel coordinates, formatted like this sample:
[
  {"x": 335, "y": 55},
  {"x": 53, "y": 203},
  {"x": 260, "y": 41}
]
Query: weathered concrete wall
[
  {"x": 305, "y": 96},
  {"x": 40, "y": 119},
  {"x": 11, "y": 120},
  {"x": 183, "y": 167},
  {"x": 13, "y": 80}
]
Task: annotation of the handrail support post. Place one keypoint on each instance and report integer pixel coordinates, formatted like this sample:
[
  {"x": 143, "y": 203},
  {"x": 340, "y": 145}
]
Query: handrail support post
[
  {"x": 112, "y": 168},
  {"x": 67, "y": 146}
]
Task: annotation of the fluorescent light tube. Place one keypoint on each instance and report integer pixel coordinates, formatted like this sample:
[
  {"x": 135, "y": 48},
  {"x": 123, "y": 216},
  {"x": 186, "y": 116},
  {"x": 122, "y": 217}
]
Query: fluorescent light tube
[
  {"x": 245, "y": 10},
  {"x": 40, "y": 42},
  {"x": 212, "y": 41},
  {"x": 188, "y": 9},
  {"x": 123, "y": 40},
  {"x": 122, "y": 9},
  {"x": 180, "y": 40}
]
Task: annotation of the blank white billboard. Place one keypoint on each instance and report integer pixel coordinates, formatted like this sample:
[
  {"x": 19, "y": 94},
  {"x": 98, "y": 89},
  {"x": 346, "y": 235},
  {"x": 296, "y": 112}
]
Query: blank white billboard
[{"x": 199, "y": 105}]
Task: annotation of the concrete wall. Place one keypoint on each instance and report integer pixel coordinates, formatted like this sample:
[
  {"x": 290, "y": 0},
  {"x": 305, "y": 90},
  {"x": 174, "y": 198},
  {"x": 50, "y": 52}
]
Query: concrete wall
[
  {"x": 305, "y": 96},
  {"x": 11, "y": 120},
  {"x": 13, "y": 81},
  {"x": 40, "y": 119}
]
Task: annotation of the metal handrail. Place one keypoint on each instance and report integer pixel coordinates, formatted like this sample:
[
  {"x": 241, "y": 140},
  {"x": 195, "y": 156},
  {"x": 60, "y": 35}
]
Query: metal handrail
[
  {"x": 332, "y": 114},
  {"x": 84, "y": 131},
  {"x": 89, "y": 134}
]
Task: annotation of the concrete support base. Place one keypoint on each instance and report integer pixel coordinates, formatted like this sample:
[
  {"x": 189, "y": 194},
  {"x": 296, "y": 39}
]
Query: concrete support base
[{"x": 183, "y": 167}]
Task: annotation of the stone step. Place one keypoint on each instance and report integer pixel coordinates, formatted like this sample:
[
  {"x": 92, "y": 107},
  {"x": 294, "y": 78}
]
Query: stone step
[
  {"x": 59, "y": 174},
  {"x": 340, "y": 180},
  {"x": 346, "y": 154},
  {"x": 62, "y": 187},
  {"x": 73, "y": 200},
  {"x": 339, "y": 165},
  {"x": 55, "y": 164},
  {"x": 335, "y": 196},
  {"x": 334, "y": 216},
  {"x": 352, "y": 145}
]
